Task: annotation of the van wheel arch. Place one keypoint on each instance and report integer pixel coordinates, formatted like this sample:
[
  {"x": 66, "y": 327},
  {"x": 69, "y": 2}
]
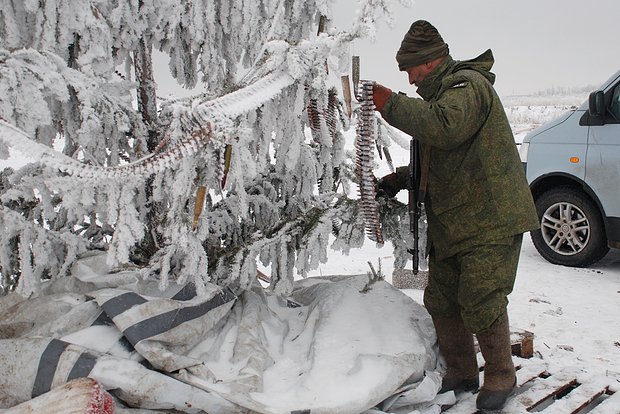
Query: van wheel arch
[
  {"x": 572, "y": 229},
  {"x": 548, "y": 182}
]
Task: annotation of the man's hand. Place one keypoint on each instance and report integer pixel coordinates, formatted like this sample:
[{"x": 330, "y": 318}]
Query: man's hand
[
  {"x": 388, "y": 186},
  {"x": 380, "y": 95}
]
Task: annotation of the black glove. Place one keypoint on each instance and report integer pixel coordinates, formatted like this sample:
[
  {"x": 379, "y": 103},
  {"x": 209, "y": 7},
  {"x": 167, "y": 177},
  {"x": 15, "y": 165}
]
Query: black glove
[{"x": 388, "y": 186}]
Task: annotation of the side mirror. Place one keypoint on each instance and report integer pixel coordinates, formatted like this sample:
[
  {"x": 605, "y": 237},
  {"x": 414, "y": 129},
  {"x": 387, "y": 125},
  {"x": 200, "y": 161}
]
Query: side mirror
[{"x": 596, "y": 104}]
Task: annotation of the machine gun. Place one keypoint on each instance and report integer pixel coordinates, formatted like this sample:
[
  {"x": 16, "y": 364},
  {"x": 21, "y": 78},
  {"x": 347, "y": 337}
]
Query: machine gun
[{"x": 418, "y": 176}]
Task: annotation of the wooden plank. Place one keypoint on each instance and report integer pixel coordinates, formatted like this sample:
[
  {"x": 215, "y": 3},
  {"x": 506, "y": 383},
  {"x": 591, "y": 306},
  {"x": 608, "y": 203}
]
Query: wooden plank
[
  {"x": 610, "y": 405},
  {"x": 529, "y": 369},
  {"x": 522, "y": 343},
  {"x": 578, "y": 398},
  {"x": 540, "y": 390},
  {"x": 553, "y": 393}
]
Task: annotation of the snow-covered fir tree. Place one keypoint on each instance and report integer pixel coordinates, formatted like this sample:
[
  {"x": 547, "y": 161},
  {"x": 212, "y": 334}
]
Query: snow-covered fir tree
[{"x": 117, "y": 168}]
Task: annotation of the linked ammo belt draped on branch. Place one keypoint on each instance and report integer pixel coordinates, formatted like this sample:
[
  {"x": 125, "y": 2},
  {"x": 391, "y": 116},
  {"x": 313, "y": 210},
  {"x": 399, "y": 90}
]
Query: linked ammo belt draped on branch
[
  {"x": 364, "y": 154},
  {"x": 211, "y": 113}
]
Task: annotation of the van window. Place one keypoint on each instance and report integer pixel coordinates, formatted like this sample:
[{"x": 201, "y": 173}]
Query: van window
[{"x": 615, "y": 103}]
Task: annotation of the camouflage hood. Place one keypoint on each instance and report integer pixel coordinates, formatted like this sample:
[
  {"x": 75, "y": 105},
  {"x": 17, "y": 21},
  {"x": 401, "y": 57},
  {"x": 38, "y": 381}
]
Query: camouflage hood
[{"x": 482, "y": 64}]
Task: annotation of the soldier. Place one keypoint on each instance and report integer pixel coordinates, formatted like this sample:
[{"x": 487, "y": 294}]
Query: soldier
[{"x": 478, "y": 206}]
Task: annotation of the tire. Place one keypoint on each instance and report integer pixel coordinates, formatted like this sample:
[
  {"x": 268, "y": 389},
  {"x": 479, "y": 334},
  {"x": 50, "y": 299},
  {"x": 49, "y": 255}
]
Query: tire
[{"x": 572, "y": 232}]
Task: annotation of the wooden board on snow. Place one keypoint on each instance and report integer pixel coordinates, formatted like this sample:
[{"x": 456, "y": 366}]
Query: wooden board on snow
[{"x": 551, "y": 392}]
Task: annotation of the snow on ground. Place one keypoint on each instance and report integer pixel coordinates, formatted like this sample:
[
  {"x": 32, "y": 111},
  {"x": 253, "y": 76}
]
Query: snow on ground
[{"x": 573, "y": 312}]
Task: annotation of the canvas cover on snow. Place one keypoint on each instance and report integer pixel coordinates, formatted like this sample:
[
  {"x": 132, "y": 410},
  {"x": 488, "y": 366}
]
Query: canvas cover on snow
[{"x": 335, "y": 346}]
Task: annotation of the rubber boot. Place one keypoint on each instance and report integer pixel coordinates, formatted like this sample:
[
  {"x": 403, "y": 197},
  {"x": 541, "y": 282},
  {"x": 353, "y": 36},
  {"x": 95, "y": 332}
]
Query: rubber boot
[
  {"x": 456, "y": 344},
  {"x": 500, "y": 380}
]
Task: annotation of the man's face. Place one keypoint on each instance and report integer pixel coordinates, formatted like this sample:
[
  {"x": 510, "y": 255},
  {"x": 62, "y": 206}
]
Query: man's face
[{"x": 418, "y": 73}]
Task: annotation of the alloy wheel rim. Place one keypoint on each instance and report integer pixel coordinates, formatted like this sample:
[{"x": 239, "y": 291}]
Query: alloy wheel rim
[{"x": 565, "y": 228}]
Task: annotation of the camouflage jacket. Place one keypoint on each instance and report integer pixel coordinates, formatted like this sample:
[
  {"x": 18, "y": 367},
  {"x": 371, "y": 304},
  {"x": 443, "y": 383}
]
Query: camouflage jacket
[{"x": 477, "y": 191}]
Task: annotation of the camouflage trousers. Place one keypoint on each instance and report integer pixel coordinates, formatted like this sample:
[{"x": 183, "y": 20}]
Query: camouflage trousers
[{"x": 474, "y": 283}]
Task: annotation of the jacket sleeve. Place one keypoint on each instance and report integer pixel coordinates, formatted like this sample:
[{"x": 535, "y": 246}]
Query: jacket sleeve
[{"x": 445, "y": 123}]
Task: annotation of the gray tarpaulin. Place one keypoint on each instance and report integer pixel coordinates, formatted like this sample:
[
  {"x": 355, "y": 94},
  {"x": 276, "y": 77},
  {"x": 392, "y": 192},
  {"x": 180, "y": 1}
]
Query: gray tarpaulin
[{"x": 332, "y": 347}]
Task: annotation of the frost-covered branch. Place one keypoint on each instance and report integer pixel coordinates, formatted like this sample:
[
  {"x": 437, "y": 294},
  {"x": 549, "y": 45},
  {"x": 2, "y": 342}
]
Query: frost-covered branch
[{"x": 266, "y": 140}]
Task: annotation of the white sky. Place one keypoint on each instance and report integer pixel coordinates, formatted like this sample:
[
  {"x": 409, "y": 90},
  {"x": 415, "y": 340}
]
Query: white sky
[{"x": 537, "y": 43}]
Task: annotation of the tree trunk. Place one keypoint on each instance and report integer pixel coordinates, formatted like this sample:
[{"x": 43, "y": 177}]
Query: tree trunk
[
  {"x": 147, "y": 106},
  {"x": 147, "y": 97}
]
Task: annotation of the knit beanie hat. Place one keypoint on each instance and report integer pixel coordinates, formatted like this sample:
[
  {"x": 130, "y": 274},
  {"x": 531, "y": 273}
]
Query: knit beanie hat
[{"x": 421, "y": 44}]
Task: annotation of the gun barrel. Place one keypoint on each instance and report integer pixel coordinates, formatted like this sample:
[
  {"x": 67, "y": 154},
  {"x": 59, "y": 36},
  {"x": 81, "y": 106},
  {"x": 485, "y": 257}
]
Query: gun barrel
[
  {"x": 415, "y": 254},
  {"x": 414, "y": 209}
]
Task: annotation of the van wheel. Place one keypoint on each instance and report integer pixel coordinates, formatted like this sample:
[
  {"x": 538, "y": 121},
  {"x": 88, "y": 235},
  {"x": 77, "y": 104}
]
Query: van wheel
[{"x": 571, "y": 232}]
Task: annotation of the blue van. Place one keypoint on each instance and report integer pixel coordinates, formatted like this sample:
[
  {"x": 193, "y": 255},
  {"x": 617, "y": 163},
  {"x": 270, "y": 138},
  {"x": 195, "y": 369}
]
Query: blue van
[{"x": 573, "y": 168}]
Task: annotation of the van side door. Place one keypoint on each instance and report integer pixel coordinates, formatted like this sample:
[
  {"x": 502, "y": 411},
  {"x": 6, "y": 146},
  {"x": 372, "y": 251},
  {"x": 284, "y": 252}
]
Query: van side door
[{"x": 603, "y": 160}]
